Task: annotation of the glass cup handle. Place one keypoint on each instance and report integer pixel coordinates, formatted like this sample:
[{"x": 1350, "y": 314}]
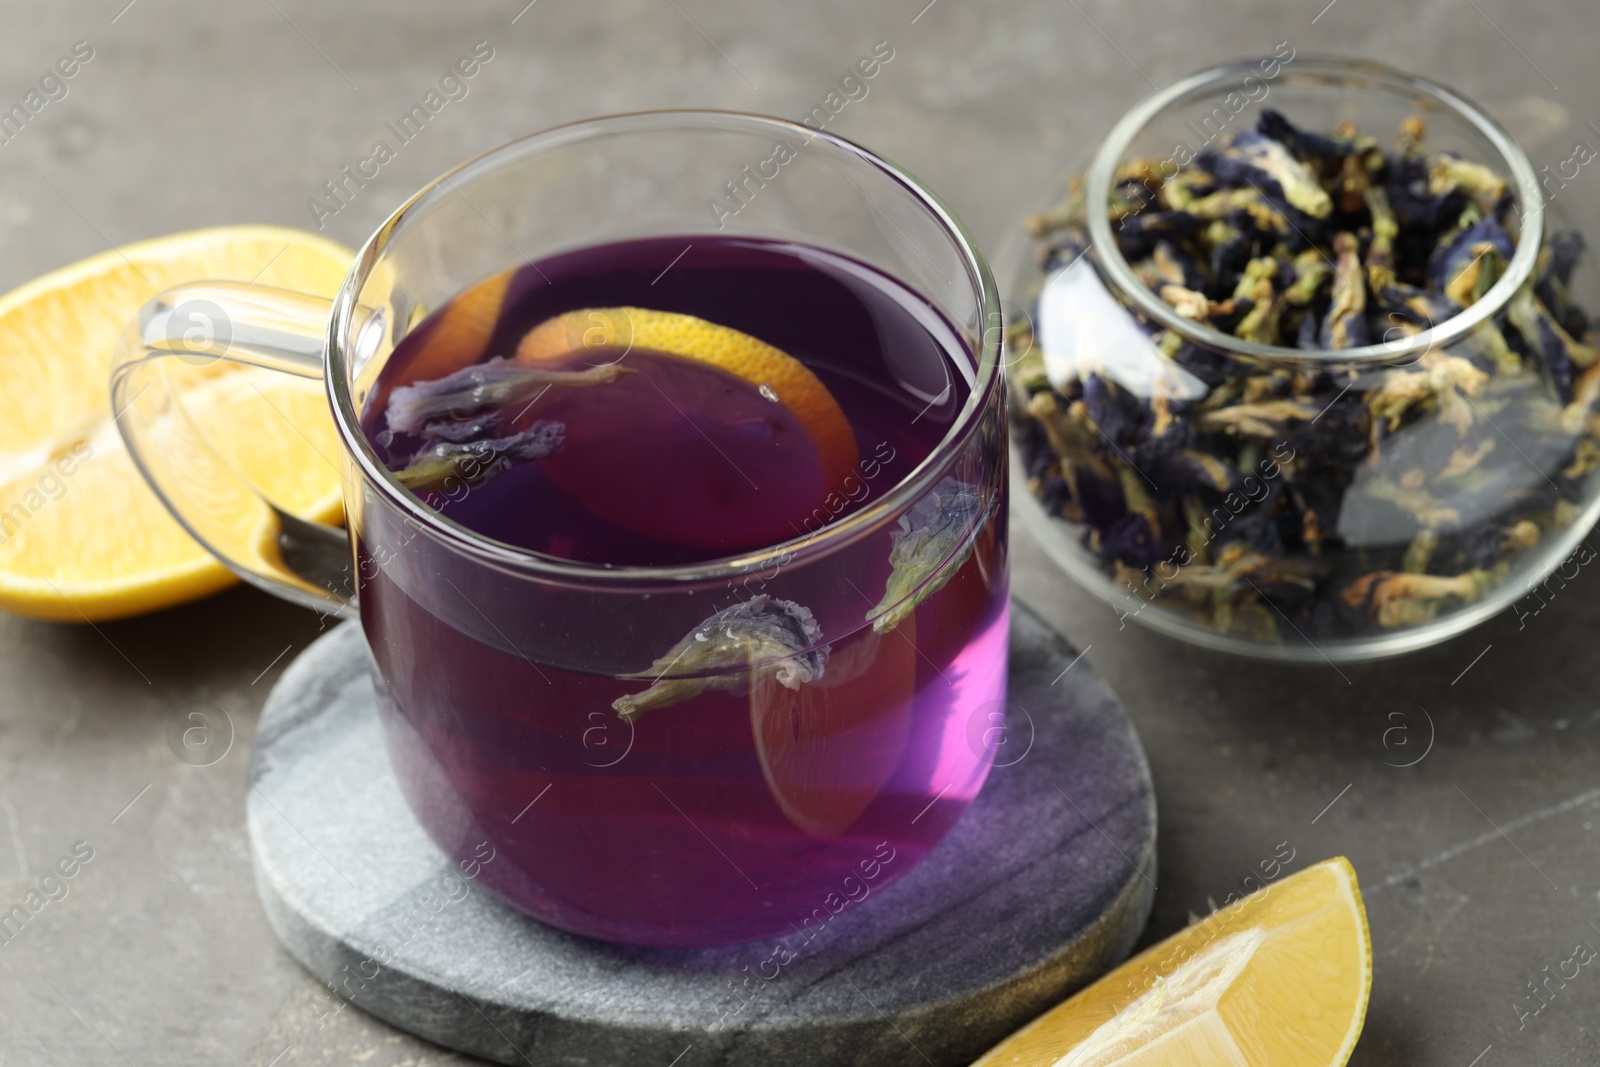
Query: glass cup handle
[{"x": 308, "y": 563}]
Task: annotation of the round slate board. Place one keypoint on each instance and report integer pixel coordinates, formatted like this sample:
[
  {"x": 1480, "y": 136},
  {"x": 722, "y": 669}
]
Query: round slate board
[{"x": 1045, "y": 882}]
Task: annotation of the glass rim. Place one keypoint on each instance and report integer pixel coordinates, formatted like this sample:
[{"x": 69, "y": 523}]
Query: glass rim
[
  {"x": 345, "y": 320},
  {"x": 1109, "y": 256}
]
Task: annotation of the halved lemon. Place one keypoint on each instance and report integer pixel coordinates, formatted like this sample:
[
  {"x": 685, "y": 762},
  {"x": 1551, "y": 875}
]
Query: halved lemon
[
  {"x": 82, "y": 537},
  {"x": 1278, "y": 979}
]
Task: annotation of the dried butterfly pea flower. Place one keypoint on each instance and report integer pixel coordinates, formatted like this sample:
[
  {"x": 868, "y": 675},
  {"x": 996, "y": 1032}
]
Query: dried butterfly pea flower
[
  {"x": 478, "y": 428},
  {"x": 1397, "y": 599},
  {"x": 1412, "y": 132},
  {"x": 1187, "y": 302},
  {"x": 1230, "y": 251},
  {"x": 1557, "y": 260},
  {"x": 1289, "y": 237},
  {"x": 762, "y": 637},
  {"x": 496, "y": 383},
  {"x": 1181, "y": 190},
  {"x": 1473, "y": 261},
  {"x": 1380, "y": 252},
  {"x": 934, "y": 539},
  {"x": 1305, "y": 144},
  {"x": 1448, "y": 173},
  {"x": 1445, "y": 381},
  {"x": 473, "y": 462},
  {"x": 1144, "y": 232},
  {"x": 1312, "y": 272},
  {"x": 1406, "y": 185},
  {"x": 1258, "y": 161},
  {"x": 457, "y": 418},
  {"x": 1264, "y": 419},
  {"x": 1129, "y": 197},
  {"x": 1346, "y": 324},
  {"x": 1173, "y": 265},
  {"x": 1257, "y": 294}
]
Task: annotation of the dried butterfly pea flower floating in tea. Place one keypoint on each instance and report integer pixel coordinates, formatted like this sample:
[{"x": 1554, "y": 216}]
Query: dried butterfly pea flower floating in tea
[
  {"x": 1336, "y": 499},
  {"x": 762, "y": 635},
  {"x": 933, "y": 542},
  {"x": 476, "y": 457}
]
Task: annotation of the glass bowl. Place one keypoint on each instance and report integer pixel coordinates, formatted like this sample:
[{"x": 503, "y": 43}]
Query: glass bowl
[{"x": 1306, "y": 503}]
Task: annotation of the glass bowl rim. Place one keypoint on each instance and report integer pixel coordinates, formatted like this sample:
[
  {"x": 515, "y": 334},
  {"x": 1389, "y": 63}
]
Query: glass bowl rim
[{"x": 1113, "y": 264}]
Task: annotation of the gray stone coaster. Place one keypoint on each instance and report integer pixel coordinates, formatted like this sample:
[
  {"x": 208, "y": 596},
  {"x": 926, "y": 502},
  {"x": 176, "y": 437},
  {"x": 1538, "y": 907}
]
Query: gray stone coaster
[{"x": 1044, "y": 883}]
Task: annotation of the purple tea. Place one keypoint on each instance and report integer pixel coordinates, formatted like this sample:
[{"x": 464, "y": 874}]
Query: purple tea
[{"x": 808, "y": 736}]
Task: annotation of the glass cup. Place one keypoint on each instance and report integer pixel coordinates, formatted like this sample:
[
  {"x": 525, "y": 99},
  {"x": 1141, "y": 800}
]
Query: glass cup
[
  {"x": 495, "y": 667},
  {"x": 1416, "y": 486}
]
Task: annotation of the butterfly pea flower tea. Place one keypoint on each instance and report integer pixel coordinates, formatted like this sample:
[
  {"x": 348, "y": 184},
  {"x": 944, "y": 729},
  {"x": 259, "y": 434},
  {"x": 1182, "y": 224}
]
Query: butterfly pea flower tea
[{"x": 592, "y": 408}]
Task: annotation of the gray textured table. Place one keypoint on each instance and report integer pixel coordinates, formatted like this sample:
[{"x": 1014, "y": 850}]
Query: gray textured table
[{"x": 194, "y": 114}]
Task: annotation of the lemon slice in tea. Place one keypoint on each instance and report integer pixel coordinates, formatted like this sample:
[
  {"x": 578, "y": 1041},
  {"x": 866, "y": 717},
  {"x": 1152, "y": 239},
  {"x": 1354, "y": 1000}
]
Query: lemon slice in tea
[
  {"x": 828, "y": 748},
  {"x": 719, "y": 440}
]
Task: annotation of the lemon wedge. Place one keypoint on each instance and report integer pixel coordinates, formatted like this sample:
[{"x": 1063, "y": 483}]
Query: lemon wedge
[{"x": 1278, "y": 979}]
